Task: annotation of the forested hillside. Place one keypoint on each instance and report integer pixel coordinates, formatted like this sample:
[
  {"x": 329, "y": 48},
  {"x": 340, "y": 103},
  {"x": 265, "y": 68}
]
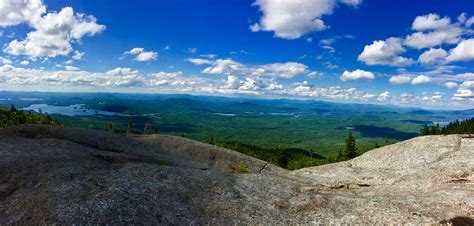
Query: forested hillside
[
  {"x": 456, "y": 127},
  {"x": 12, "y": 116}
]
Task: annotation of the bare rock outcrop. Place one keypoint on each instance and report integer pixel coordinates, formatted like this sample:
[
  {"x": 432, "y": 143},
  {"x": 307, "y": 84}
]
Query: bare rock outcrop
[{"x": 69, "y": 175}]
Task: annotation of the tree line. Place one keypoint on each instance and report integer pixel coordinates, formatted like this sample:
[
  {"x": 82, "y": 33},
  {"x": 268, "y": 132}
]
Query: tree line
[
  {"x": 291, "y": 158},
  {"x": 456, "y": 127},
  {"x": 12, "y": 116}
]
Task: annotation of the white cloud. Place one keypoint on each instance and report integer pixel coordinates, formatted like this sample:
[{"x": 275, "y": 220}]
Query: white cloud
[
  {"x": 77, "y": 55},
  {"x": 293, "y": 19},
  {"x": 434, "y": 31},
  {"x": 53, "y": 34},
  {"x": 16, "y": 12},
  {"x": 433, "y": 56},
  {"x": 421, "y": 79},
  {"x": 383, "y": 96},
  {"x": 464, "y": 51},
  {"x": 465, "y": 91},
  {"x": 198, "y": 61},
  {"x": 430, "y": 22},
  {"x": 470, "y": 22},
  {"x": 192, "y": 50},
  {"x": 450, "y": 85},
  {"x": 356, "y": 75},
  {"x": 400, "y": 79},
  {"x": 142, "y": 55},
  {"x": 71, "y": 68},
  {"x": 210, "y": 56},
  {"x": 420, "y": 40},
  {"x": 24, "y": 62},
  {"x": 224, "y": 66},
  {"x": 231, "y": 67},
  {"x": 5, "y": 61},
  {"x": 385, "y": 53}
]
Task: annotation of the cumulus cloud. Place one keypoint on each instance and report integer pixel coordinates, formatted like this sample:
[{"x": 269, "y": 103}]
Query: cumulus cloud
[
  {"x": 199, "y": 61},
  {"x": 385, "y": 53},
  {"x": 464, "y": 51},
  {"x": 5, "y": 61},
  {"x": 293, "y": 19},
  {"x": 421, "y": 79},
  {"x": 142, "y": 55},
  {"x": 420, "y": 40},
  {"x": 356, "y": 75},
  {"x": 71, "y": 68},
  {"x": 17, "y": 12},
  {"x": 430, "y": 22},
  {"x": 433, "y": 31},
  {"x": 465, "y": 91},
  {"x": 400, "y": 79},
  {"x": 433, "y": 56},
  {"x": 383, "y": 96},
  {"x": 77, "y": 55},
  {"x": 52, "y": 33},
  {"x": 450, "y": 85},
  {"x": 24, "y": 62},
  {"x": 231, "y": 67}
]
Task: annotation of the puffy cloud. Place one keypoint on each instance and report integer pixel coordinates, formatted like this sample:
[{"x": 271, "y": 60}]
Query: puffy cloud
[
  {"x": 433, "y": 56},
  {"x": 430, "y": 22},
  {"x": 231, "y": 67},
  {"x": 450, "y": 85},
  {"x": 232, "y": 82},
  {"x": 53, "y": 34},
  {"x": 464, "y": 51},
  {"x": 400, "y": 79},
  {"x": 224, "y": 66},
  {"x": 210, "y": 56},
  {"x": 5, "y": 61},
  {"x": 198, "y": 61},
  {"x": 25, "y": 62},
  {"x": 433, "y": 31},
  {"x": 385, "y": 53},
  {"x": 383, "y": 96},
  {"x": 421, "y": 79},
  {"x": 16, "y": 12},
  {"x": 77, "y": 55},
  {"x": 356, "y": 75},
  {"x": 71, "y": 68},
  {"x": 465, "y": 91},
  {"x": 142, "y": 55},
  {"x": 470, "y": 22},
  {"x": 293, "y": 19},
  {"x": 420, "y": 40}
]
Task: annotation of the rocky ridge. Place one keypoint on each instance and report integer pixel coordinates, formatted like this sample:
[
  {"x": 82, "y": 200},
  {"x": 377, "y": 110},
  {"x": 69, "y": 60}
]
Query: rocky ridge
[{"x": 52, "y": 174}]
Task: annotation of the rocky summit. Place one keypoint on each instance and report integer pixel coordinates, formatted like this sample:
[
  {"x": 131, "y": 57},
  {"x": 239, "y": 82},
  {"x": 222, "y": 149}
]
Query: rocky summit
[{"x": 54, "y": 174}]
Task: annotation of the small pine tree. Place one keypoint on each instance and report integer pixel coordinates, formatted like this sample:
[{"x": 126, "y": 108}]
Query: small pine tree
[
  {"x": 112, "y": 128},
  {"x": 351, "y": 150},
  {"x": 130, "y": 127},
  {"x": 425, "y": 130},
  {"x": 340, "y": 156},
  {"x": 211, "y": 140},
  {"x": 146, "y": 129},
  {"x": 13, "y": 108}
]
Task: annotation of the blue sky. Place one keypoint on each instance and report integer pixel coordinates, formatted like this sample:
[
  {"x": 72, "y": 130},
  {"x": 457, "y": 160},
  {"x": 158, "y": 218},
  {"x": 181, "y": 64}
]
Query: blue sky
[{"x": 386, "y": 52}]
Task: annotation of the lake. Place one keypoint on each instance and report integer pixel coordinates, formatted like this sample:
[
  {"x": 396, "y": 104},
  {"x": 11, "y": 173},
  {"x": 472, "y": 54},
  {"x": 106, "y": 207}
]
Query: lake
[{"x": 71, "y": 110}]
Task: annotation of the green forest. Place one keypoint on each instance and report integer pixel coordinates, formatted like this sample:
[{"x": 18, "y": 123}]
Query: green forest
[
  {"x": 12, "y": 116},
  {"x": 456, "y": 127}
]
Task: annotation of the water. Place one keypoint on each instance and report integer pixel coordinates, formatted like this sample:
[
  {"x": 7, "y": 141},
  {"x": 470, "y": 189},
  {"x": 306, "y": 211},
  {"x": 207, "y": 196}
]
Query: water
[
  {"x": 71, "y": 110},
  {"x": 225, "y": 114}
]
